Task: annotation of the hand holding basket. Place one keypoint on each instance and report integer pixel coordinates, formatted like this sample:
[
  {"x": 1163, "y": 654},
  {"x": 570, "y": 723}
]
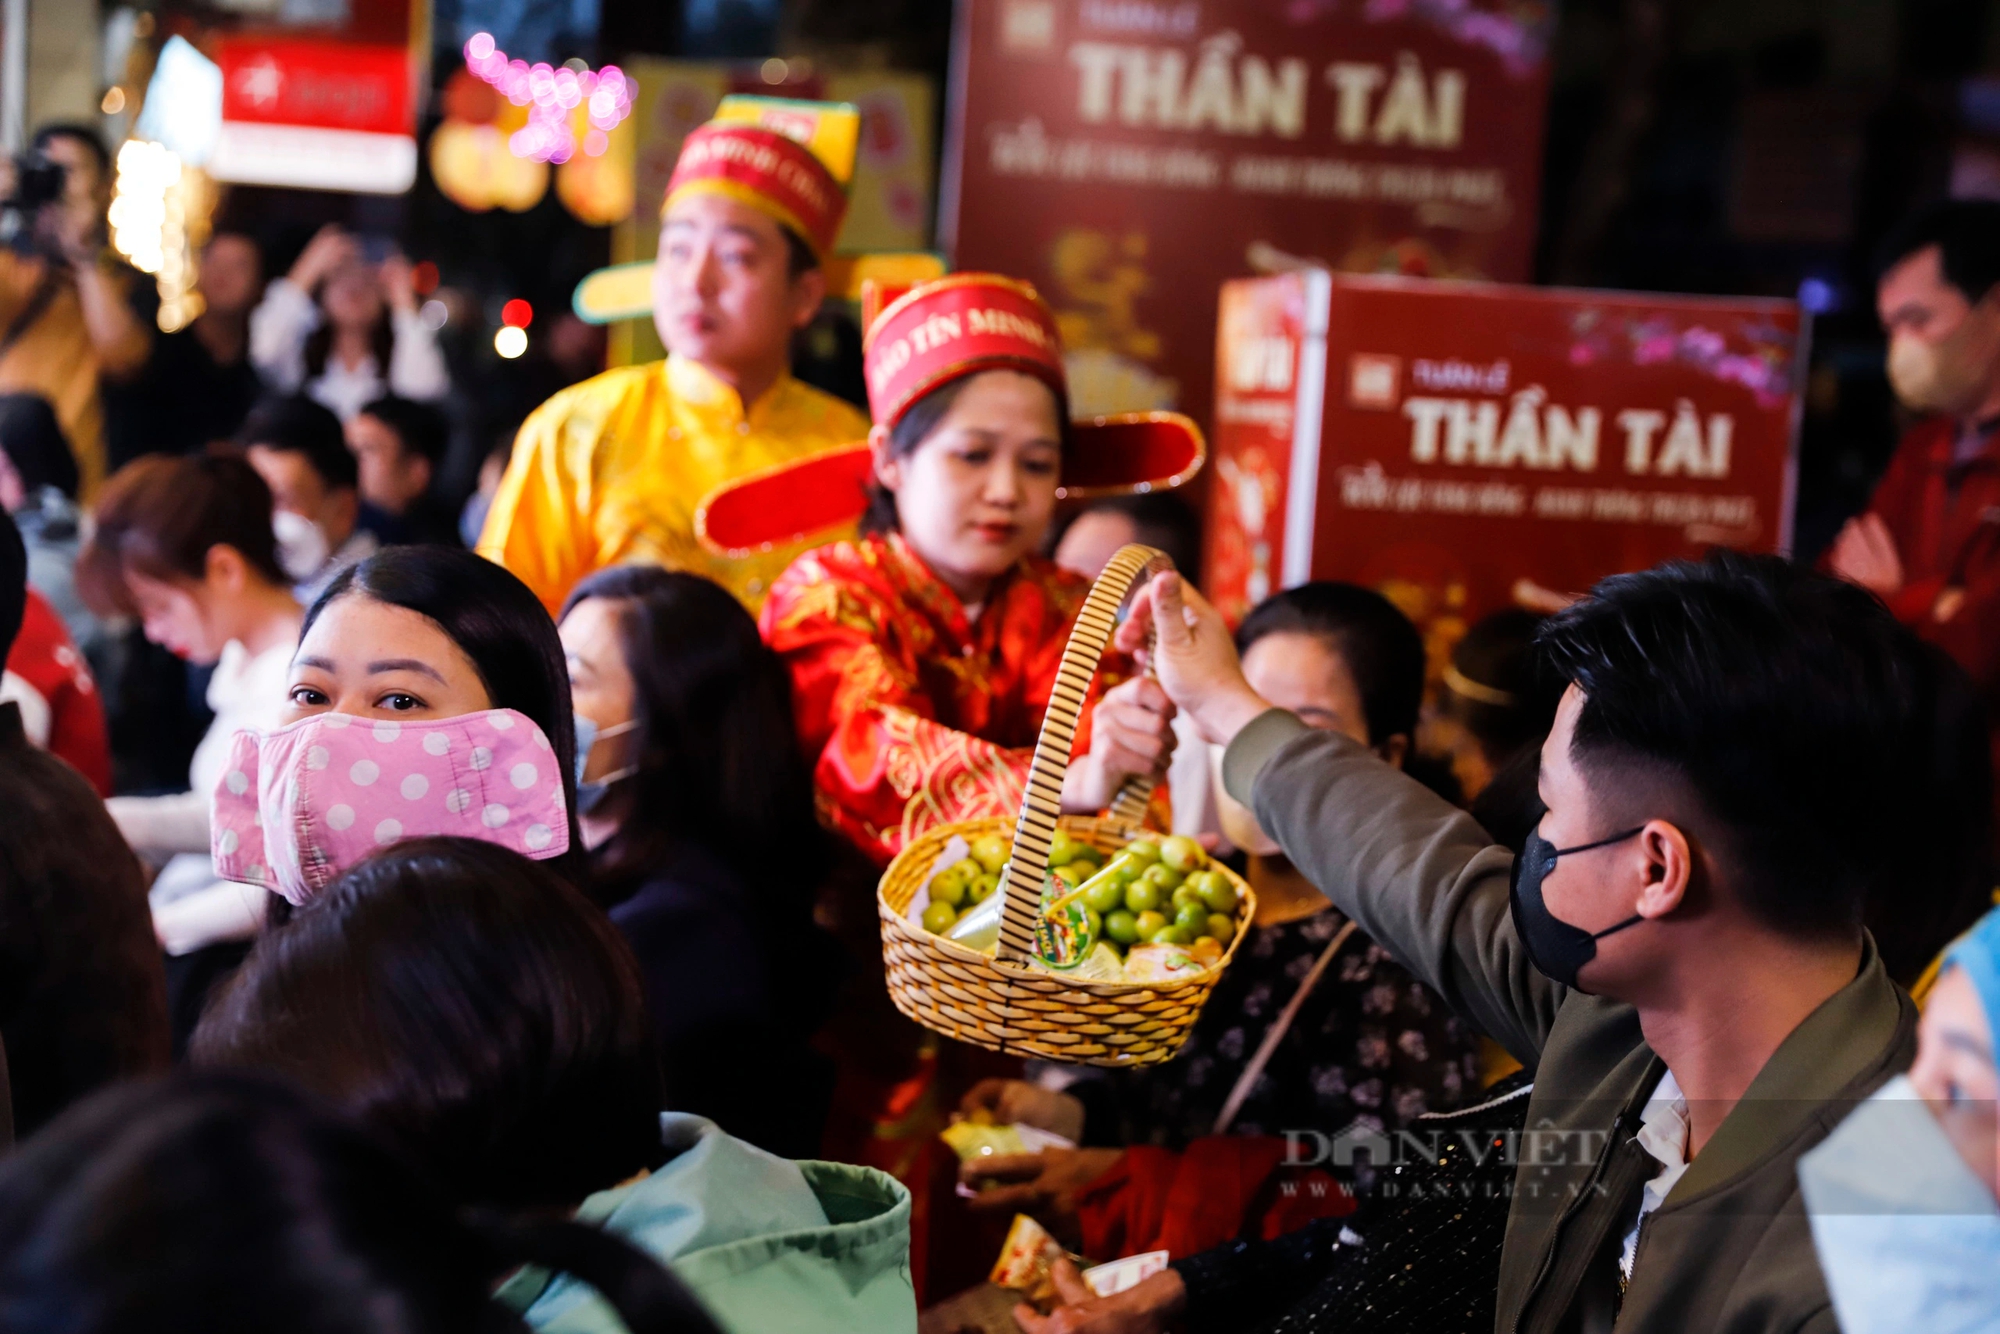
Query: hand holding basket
[{"x": 1003, "y": 1001}]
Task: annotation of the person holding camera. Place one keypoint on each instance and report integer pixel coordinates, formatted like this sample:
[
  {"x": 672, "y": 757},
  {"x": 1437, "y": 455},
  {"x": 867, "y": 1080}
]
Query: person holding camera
[{"x": 66, "y": 305}]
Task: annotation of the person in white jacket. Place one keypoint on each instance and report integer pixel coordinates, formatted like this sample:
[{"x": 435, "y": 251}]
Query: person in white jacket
[
  {"x": 344, "y": 330},
  {"x": 185, "y": 544}
]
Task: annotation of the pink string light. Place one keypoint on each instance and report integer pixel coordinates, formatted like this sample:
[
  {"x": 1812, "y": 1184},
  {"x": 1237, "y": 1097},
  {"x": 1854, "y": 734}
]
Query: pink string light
[{"x": 551, "y": 96}]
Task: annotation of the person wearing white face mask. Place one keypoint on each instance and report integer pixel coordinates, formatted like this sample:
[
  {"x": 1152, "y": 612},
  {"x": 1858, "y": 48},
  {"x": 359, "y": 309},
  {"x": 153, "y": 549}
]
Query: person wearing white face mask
[
  {"x": 322, "y": 524},
  {"x": 1929, "y": 542},
  {"x": 1904, "y": 1196}
]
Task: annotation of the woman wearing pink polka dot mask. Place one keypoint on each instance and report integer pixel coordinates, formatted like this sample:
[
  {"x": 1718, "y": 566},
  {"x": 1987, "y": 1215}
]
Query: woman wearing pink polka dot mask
[{"x": 428, "y": 695}]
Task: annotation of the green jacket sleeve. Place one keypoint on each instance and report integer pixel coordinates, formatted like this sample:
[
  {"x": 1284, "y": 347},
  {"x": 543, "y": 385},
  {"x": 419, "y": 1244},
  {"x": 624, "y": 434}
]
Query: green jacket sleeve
[{"x": 1417, "y": 873}]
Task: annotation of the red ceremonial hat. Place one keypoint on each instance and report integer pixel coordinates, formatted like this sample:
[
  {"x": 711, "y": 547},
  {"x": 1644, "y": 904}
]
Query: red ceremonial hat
[
  {"x": 933, "y": 334},
  {"x": 957, "y": 326},
  {"x": 767, "y": 170}
]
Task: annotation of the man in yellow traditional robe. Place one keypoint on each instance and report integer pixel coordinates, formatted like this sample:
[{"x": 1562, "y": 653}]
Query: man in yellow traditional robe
[{"x": 610, "y": 471}]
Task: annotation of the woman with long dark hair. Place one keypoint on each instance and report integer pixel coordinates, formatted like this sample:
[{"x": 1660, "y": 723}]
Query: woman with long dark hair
[
  {"x": 697, "y": 809},
  {"x": 345, "y": 330}
]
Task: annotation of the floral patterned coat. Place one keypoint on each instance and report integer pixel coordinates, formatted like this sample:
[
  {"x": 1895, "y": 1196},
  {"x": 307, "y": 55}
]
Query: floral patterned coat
[{"x": 1370, "y": 1046}]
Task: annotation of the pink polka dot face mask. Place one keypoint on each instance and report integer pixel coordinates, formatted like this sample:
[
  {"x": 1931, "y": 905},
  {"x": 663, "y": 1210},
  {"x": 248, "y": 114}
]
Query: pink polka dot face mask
[{"x": 298, "y": 806}]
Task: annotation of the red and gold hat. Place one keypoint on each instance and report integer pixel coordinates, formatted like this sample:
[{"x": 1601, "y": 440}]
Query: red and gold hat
[
  {"x": 931, "y": 335},
  {"x": 789, "y": 160},
  {"x": 959, "y": 325}
]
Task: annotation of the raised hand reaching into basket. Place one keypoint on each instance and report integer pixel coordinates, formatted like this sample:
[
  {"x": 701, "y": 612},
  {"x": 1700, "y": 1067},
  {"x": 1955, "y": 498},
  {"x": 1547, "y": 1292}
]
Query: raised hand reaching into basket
[{"x": 1193, "y": 655}]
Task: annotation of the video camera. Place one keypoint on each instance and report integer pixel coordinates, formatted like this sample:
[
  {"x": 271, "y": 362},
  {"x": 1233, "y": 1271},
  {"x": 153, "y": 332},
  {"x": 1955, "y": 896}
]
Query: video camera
[{"x": 38, "y": 182}]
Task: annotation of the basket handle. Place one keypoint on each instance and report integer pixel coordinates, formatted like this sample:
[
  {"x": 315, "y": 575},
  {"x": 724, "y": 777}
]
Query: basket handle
[{"x": 1041, "y": 804}]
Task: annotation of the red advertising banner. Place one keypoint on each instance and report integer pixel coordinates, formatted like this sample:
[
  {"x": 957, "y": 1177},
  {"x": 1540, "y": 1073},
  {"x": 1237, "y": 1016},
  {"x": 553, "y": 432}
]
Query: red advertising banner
[
  {"x": 1128, "y": 156},
  {"x": 1468, "y": 446},
  {"x": 318, "y": 114},
  {"x": 330, "y": 85}
]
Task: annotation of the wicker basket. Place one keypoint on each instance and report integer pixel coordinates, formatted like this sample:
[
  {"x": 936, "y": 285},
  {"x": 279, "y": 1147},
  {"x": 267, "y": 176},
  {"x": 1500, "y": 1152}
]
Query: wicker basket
[{"x": 998, "y": 1001}]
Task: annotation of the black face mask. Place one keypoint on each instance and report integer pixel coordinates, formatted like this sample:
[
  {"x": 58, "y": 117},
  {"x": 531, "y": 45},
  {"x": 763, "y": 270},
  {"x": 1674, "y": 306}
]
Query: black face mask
[{"x": 1555, "y": 947}]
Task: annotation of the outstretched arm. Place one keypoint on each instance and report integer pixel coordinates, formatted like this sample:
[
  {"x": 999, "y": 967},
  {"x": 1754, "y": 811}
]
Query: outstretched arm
[{"x": 1418, "y": 874}]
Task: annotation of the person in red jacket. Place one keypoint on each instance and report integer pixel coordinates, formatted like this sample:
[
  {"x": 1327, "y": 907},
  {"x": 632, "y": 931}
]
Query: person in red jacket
[
  {"x": 61, "y": 710},
  {"x": 1929, "y": 542}
]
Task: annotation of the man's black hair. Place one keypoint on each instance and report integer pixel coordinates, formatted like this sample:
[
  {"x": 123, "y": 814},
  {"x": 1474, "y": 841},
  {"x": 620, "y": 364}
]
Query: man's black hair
[
  {"x": 1967, "y": 235},
  {"x": 1788, "y": 703},
  {"x": 295, "y": 424},
  {"x": 421, "y": 427},
  {"x": 83, "y": 134}
]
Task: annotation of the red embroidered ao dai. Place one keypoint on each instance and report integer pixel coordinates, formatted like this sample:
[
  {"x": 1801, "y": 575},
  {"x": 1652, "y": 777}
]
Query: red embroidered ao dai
[{"x": 914, "y": 714}]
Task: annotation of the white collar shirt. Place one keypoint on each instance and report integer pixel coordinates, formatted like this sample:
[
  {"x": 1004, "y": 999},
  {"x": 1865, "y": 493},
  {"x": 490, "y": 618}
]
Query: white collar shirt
[{"x": 1663, "y": 1133}]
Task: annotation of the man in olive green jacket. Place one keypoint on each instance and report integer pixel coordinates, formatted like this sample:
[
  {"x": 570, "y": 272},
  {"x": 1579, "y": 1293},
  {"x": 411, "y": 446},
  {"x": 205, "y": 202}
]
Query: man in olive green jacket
[{"x": 1680, "y": 962}]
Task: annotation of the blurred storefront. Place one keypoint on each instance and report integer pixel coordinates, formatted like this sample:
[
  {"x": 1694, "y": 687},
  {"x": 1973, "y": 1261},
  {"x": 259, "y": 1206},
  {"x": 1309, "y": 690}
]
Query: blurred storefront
[
  {"x": 1753, "y": 149},
  {"x": 1129, "y": 159}
]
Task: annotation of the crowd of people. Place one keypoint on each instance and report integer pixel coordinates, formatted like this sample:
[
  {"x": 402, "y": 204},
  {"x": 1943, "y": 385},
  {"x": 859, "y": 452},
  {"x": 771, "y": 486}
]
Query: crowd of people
[{"x": 444, "y": 911}]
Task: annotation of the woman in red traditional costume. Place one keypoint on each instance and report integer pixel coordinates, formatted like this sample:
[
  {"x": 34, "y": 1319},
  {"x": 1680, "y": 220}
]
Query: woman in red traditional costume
[{"x": 922, "y": 654}]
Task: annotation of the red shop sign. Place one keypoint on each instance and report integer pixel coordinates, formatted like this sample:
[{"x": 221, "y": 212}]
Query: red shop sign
[
  {"x": 1468, "y": 446},
  {"x": 324, "y": 85},
  {"x": 1129, "y": 156}
]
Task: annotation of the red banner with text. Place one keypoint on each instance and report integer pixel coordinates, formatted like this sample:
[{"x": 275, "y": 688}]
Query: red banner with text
[
  {"x": 312, "y": 113},
  {"x": 1128, "y": 156},
  {"x": 1468, "y": 446},
  {"x": 328, "y": 85}
]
